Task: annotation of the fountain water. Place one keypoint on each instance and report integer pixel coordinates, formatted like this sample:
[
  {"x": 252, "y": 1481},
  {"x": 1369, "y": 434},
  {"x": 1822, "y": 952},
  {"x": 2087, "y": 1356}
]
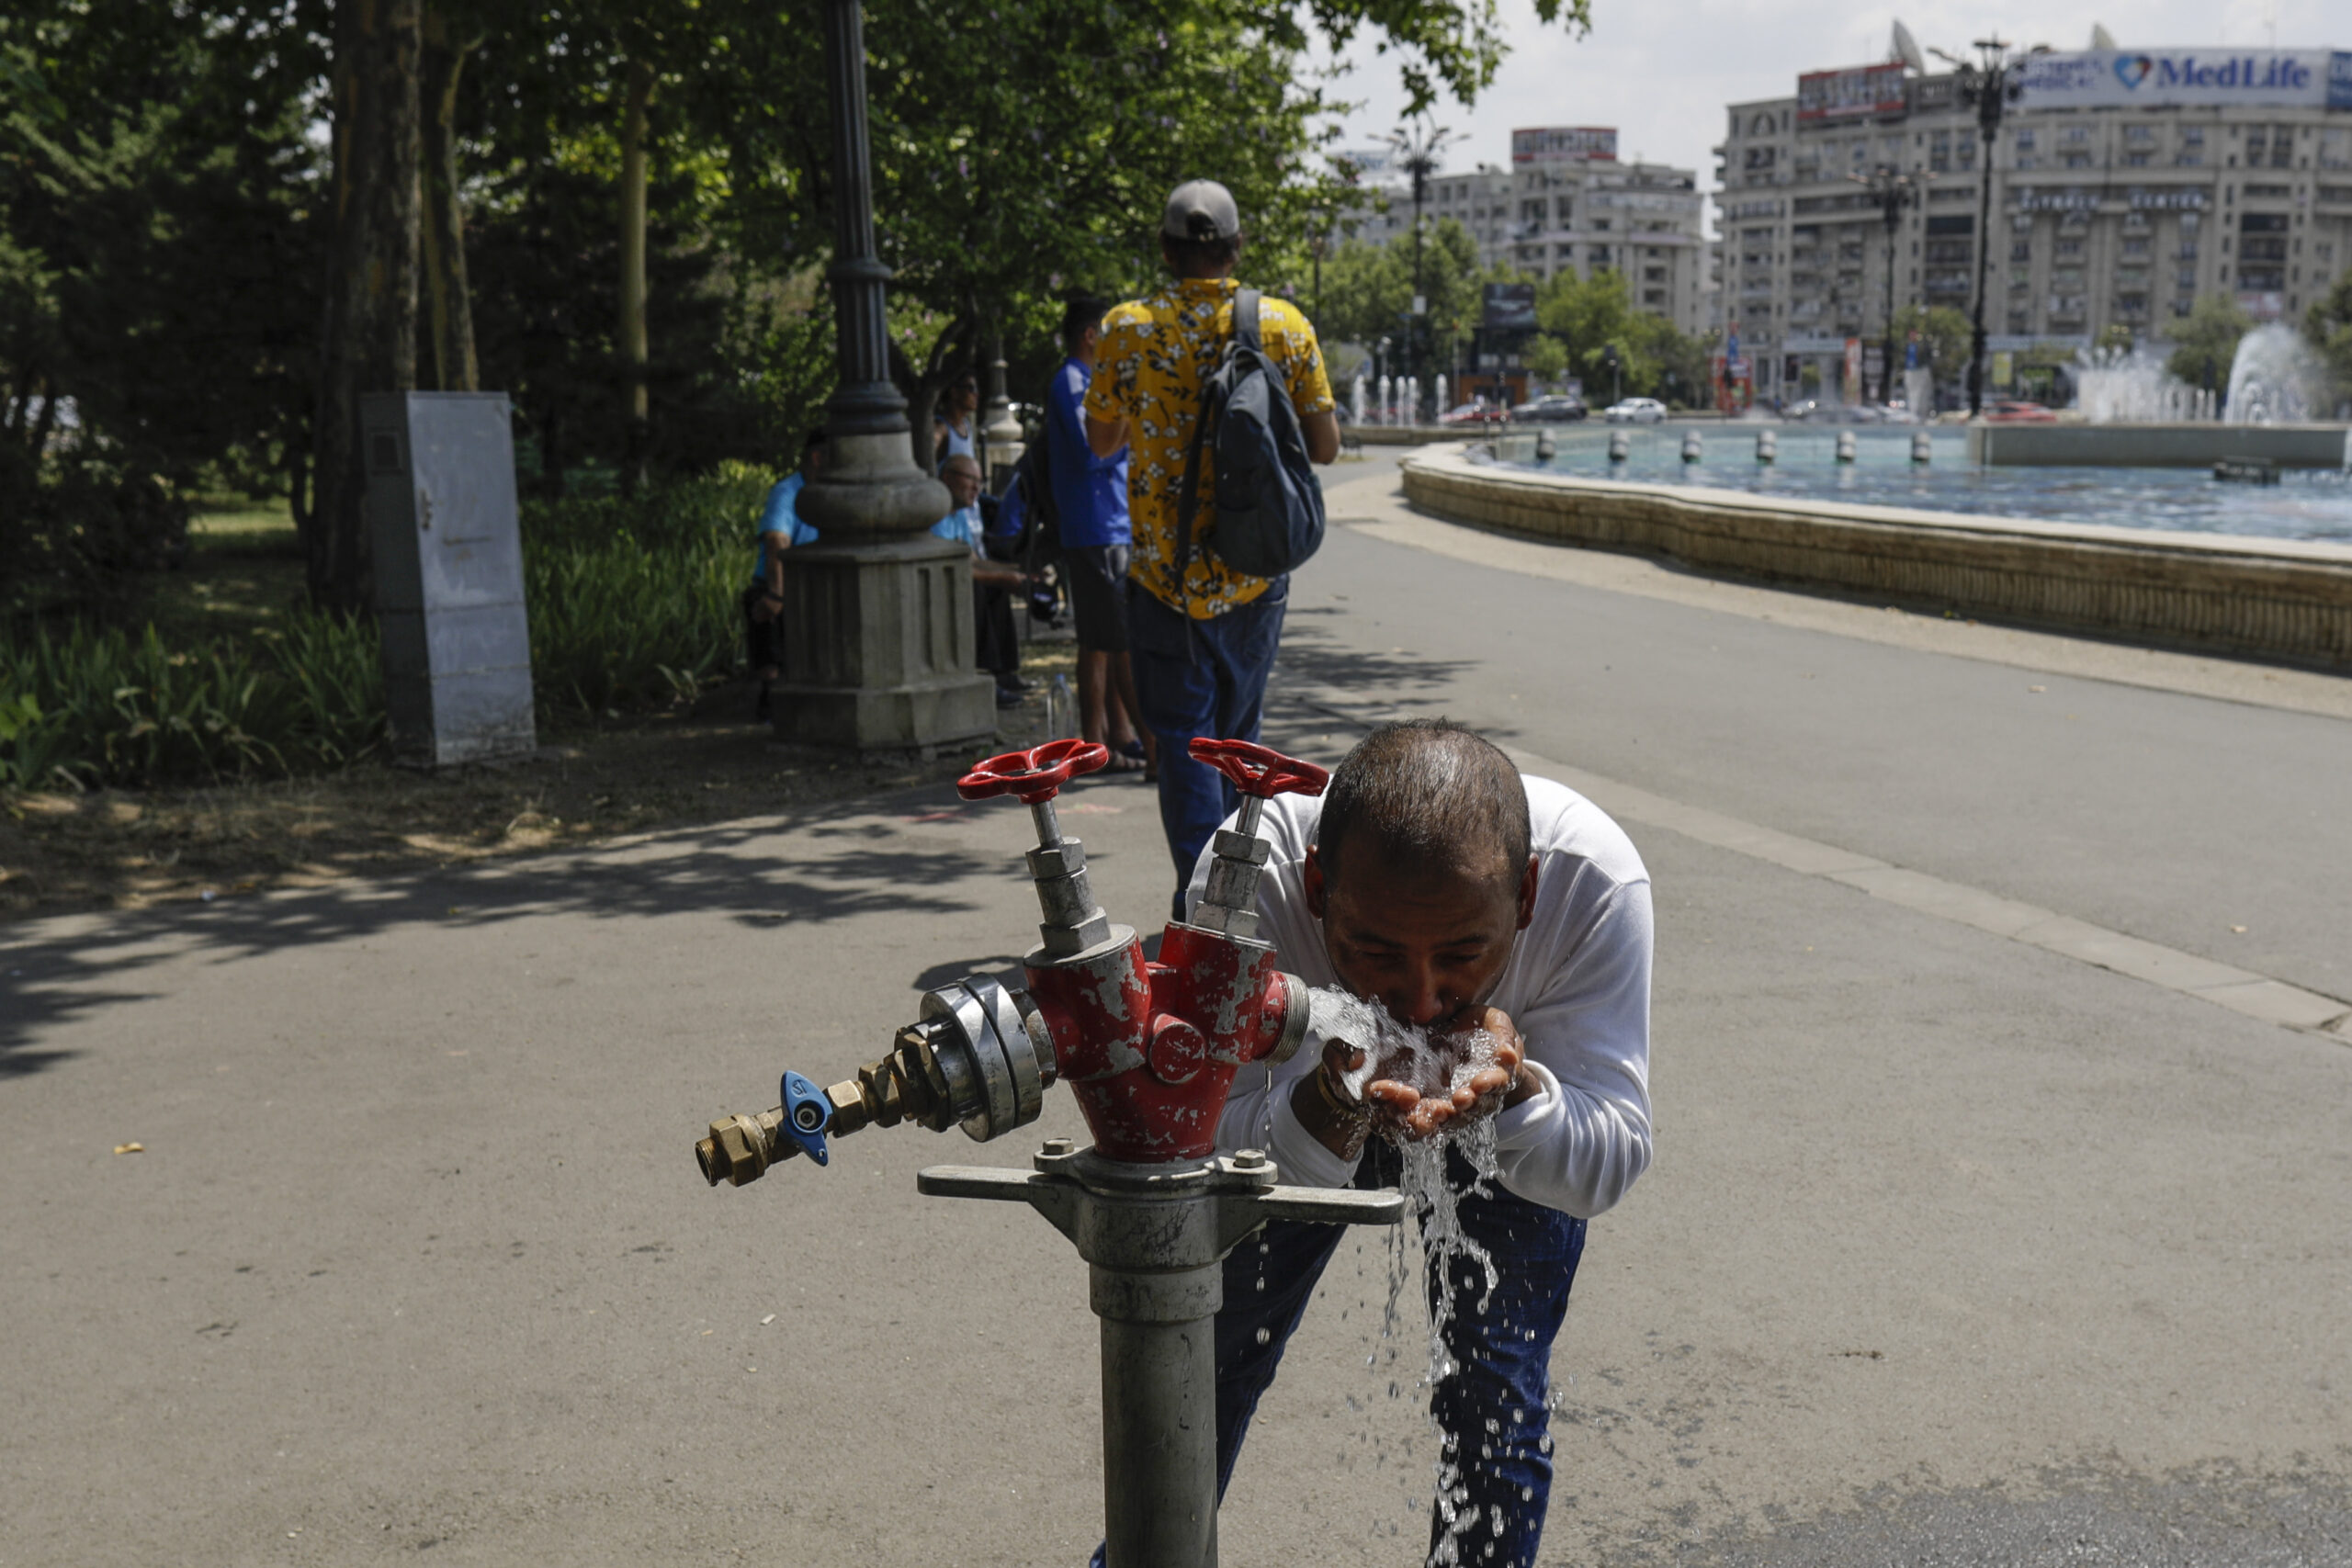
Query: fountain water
[
  {"x": 1387, "y": 408},
  {"x": 2275, "y": 378},
  {"x": 1441, "y": 394},
  {"x": 1412, "y": 400},
  {"x": 1356, "y": 402},
  {"x": 2116, "y": 386}
]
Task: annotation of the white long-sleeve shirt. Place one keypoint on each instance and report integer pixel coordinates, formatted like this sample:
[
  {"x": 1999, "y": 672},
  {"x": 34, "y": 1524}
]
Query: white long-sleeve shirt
[{"x": 1577, "y": 988}]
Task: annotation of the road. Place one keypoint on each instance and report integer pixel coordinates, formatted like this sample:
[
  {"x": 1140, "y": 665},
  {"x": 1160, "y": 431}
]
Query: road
[{"x": 1974, "y": 1237}]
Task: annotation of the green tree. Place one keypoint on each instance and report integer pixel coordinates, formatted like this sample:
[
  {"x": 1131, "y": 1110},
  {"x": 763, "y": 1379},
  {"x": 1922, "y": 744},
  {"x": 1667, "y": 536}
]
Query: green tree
[
  {"x": 2328, "y": 324},
  {"x": 1547, "y": 357},
  {"x": 1594, "y": 317},
  {"x": 2205, "y": 344},
  {"x": 157, "y": 275},
  {"x": 1944, "y": 335}
]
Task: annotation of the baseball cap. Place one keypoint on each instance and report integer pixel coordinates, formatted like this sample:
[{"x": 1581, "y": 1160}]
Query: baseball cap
[{"x": 1201, "y": 210}]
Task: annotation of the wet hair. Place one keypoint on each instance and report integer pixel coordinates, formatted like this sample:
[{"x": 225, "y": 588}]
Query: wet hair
[
  {"x": 1083, "y": 311},
  {"x": 1429, "y": 796},
  {"x": 1201, "y": 258}
]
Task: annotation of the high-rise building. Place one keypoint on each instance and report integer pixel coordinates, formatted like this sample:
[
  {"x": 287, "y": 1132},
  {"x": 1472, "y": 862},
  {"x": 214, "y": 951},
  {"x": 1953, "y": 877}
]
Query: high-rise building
[
  {"x": 2124, "y": 185},
  {"x": 1566, "y": 204}
]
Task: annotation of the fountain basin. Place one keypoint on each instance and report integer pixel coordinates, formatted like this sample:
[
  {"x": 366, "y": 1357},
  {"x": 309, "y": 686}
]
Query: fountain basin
[{"x": 2288, "y": 600}]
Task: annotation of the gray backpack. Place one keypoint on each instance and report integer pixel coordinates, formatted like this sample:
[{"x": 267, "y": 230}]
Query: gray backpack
[{"x": 1269, "y": 502}]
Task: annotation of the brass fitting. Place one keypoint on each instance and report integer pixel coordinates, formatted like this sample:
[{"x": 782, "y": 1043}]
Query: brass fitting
[
  {"x": 741, "y": 1149},
  {"x": 905, "y": 1086}
]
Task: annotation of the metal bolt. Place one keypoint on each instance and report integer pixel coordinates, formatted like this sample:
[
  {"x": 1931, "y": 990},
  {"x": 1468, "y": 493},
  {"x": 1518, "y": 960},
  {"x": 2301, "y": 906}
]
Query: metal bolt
[
  {"x": 1249, "y": 1159},
  {"x": 1057, "y": 1146},
  {"x": 807, "y": 1118}
]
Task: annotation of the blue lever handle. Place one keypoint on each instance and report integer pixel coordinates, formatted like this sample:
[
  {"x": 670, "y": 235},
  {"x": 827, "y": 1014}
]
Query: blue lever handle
[{"x": 807, "y": 1115}]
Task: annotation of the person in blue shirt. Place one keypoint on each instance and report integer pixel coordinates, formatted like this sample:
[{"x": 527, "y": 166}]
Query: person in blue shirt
[
  {"x": 1089, "y": 498},
  {"x": 780, "y": 529},
  {"x": 997, "y": 643}
]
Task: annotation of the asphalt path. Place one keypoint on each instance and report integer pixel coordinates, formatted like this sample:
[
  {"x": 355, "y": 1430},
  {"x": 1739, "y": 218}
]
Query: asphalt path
[{"x": 1957, "y": 1249}]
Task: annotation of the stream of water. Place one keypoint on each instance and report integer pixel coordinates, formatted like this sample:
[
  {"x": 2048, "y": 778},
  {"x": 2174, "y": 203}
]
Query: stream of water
[{"x": 1405, "y": 1054}]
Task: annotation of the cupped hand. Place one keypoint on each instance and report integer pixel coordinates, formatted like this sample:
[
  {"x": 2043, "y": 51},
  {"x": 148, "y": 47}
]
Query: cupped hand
[{"x": 1415, "y": 1116}]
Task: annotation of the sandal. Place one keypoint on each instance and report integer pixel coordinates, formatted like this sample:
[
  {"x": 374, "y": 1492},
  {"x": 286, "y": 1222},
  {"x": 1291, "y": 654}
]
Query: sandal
[
  {"x": 1122, "y": 763},
  {"x": 1131, "y": 746}
]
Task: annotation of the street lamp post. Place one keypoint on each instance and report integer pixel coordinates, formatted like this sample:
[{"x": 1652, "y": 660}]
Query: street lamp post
[
  {"x": 1891, "y": 191},
  {"x": 1418, "y": 155},
  {"x": 1988, "y": 88},
  {"x": 877, "y": 616}
]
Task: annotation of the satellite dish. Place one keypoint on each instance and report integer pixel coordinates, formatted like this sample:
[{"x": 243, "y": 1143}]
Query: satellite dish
[
  {"x": 1906, "y": 49},
  {"x": 2100, "y": 37}
]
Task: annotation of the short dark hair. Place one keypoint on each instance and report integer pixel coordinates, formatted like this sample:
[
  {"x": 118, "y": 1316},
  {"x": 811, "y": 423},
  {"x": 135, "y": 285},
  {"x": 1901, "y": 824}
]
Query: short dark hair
[
  {"x": 817, "y": 437},
  {"x": 1201, "y": 258},
  {"x": 1430, "y": 796},
  {"x": 1083, "y": 311}
]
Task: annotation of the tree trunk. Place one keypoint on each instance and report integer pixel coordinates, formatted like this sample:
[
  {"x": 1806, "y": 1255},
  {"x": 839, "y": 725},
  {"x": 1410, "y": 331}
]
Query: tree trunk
[
  {"x": 636, "y": 405},
  {"x": 368, "y": 340},
  {"x": 451, "y": 323}
]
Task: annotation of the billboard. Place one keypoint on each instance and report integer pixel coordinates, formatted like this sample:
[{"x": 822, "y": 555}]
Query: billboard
[
  {"x": 1564, "y": 144},
  {"x": 1509, "y": 307},
  {"x": 2188, "y": 78},
  {"x": 1859, "y": 93}
]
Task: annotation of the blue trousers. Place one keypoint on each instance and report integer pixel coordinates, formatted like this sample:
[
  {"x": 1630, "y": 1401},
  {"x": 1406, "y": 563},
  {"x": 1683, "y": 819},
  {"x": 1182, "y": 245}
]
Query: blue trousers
[
  {"x": 1200, "y": 678},
  {"x": 1503, "y": 1354}
]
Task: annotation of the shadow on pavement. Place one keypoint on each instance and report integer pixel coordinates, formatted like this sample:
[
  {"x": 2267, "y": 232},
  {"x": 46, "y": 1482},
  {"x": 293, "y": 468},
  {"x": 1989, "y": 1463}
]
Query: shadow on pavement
[{"x": 859, "y": 860}]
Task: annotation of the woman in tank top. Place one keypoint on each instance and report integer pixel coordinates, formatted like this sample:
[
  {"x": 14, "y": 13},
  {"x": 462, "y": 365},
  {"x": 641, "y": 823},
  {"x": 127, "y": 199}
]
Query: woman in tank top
[{"x": 952, "y": 436}]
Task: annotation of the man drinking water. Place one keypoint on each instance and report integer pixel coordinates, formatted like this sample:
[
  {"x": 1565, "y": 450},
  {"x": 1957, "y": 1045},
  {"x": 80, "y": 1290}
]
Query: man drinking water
[{"x": 1436, "y": 883}]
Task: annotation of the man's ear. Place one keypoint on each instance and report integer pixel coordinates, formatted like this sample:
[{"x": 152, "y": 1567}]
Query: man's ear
[
  {"x": 1527, "y": 896},
  {"x": 1312, "y": 879}
]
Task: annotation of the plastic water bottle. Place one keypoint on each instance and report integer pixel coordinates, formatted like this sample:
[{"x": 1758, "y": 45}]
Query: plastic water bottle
[{"x": 1058, "y": 708}]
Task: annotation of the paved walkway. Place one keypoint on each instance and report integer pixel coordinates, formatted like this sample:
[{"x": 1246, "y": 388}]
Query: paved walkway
[{"x": 2000, "y": 1212}]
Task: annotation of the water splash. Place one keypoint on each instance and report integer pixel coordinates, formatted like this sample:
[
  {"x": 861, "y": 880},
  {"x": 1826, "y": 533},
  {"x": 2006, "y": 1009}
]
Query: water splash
[
  {"x": 1405, "y": 1054},
  {"x": 2117, "y": 386},
  {"x": 2275, "y": 378}
]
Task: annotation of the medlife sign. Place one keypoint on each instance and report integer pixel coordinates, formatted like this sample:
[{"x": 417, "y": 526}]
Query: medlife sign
[{"x": 2202, "y": 78}]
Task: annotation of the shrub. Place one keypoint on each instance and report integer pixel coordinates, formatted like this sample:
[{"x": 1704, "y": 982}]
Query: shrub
[
  {"x": 631, "y": 599},
  {"x": 634, "y": 598},
  {"x": 102, "y": 707}
]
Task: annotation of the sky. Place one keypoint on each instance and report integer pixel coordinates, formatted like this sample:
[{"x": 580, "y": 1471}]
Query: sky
[{"x": 1661, "y": 71}]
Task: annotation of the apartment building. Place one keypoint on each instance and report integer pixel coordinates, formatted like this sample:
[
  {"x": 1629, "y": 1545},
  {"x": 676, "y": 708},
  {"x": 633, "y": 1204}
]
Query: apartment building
[
  {"x": 2124, "y": 185},
  {"x": 1566, "y": 204}
]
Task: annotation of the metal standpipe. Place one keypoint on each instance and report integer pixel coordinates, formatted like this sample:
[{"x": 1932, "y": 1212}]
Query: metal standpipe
[
  {"x": 1149, "y": 1047},
  {"x": 1155, "y": 1238}
]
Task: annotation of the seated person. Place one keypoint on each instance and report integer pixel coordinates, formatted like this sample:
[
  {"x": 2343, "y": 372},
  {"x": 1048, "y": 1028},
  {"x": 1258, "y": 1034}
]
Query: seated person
[
  {"x": 1435, "y": 880},
  {"x": 998, "y": 650},
  {"x": 780, "y": 529}
]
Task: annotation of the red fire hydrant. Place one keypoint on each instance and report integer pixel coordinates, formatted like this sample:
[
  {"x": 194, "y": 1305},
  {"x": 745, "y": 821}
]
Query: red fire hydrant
[{"x": 1150, "y": 1047}]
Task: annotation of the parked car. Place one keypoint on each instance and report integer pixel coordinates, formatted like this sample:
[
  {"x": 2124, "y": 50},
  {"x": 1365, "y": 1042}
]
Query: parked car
[
  {"x": 1560, "y": 408},
  {"x": 2017, "y": 411},
  {"x": 1480, "y": 412},
  {"x": 1635, "y": 410},
  {"x": 1843, "y": 414}
]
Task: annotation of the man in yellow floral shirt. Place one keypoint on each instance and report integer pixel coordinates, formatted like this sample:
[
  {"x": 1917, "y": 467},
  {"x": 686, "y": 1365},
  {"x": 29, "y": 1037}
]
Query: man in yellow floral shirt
[{"x": 1204, "y": 646}]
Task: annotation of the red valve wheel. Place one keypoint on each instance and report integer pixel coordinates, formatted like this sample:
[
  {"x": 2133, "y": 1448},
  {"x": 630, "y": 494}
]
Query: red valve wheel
[
  {"x": 1260, "y": 770},
  {"x": 1034, "y": 775}
]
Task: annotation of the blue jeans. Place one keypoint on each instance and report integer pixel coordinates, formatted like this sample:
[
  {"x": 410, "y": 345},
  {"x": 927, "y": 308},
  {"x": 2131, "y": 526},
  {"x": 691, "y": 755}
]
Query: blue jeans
[
  {"x": 1200, "y": 678},
  {"x": 1504, "y": 1354}
]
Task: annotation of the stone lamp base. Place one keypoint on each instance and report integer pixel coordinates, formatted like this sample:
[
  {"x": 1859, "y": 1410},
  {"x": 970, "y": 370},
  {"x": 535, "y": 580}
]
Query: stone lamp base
[{"x": 878, "y": 648}]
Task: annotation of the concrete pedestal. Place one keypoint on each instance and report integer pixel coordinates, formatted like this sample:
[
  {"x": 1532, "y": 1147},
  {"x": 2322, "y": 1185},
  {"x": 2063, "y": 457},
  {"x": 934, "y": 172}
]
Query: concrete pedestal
[{"x": 878, "y": 648}]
